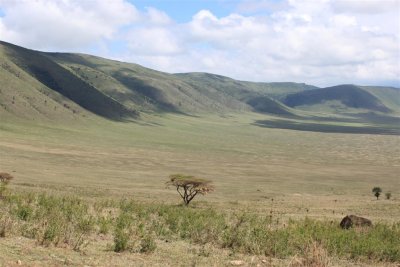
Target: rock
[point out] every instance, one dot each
(353, 220)
(236, 262)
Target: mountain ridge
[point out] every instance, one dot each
(84, 84)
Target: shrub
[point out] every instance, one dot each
(24, 212)
(5, 179)
(148, 244)
(122, 232)
(377, 192)
(104, 224)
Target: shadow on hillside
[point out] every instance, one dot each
(64, 82)
(325, 128)
(369, 117)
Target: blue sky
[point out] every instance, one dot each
(322, 43)
(182, 11)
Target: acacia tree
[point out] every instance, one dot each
(377, 192)
(189, 186)
(5, 178)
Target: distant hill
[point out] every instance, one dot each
(251, 96)
(51, 87)
(390, 96)
(349, 96)
(117, 90)
(39, 85)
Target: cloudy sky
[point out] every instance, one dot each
(320, 42)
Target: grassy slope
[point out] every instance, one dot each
(349, 96)
(85, 84)
(252, 94)
(137, 86)
(388, 95)
(113, 83)
(22, 96)
(58, 79)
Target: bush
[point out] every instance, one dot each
(104, 224)
(5, 179)
(122, 232)
(135, 227)
(148, 244)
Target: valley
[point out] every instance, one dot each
(74, 125)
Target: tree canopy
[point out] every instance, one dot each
(189, 186)
(377, 191)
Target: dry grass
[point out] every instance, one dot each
(328, 174)
(287, 174)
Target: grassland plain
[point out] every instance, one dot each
(284, 173)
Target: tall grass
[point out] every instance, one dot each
(135, 227)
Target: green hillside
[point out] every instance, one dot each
(23, 96)
(252, 96)
(390, 96)
(63, 86)
(60, 80)
(339, 97)
(117, 90)
(139, 87)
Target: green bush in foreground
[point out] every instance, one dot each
(135, 227)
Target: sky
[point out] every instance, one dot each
(318, 42)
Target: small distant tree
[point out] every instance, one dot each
(388, 195)
(5, 178)
(189, 186)
(377, 192)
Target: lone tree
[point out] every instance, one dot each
(5, 178)
(189, 186)
(388, 195)
(377, 192)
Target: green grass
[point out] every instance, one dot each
(69, 221)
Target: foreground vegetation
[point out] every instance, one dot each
(135, 227)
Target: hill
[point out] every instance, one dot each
(117, 90)
(390, 96)
(63, 86)
(34, 82)
(257, 96)
(340, 98)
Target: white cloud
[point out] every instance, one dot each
(366, 6)
(257, 6)
(227, 31)
(158, 17)
(153, 41)
(63, 24)
(319, 42)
